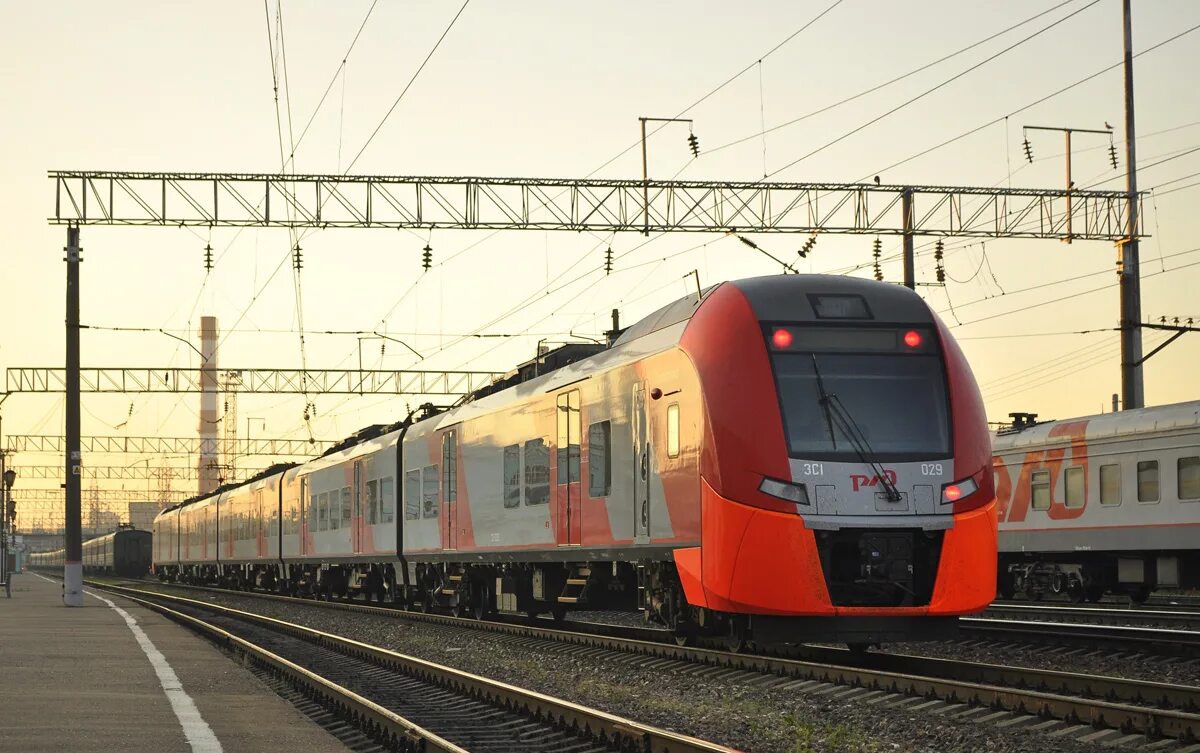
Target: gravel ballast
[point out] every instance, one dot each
(721, 706)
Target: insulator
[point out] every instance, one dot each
(1112, 155)
(694, 143)
(937, 250)
(1029, 151)
(608, 261)
(876, 248)
(878, 272)
(297, 258)
(382, 348)
(941, 275)
(427, 258)
(208, 261)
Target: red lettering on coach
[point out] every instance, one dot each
(1015, 498)
(858, 481)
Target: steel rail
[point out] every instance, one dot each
(1018, 689)
(1153, 640)
(369, 717)
(1094, 614)
(618, 732)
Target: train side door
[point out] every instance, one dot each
(356, 517)
(450, 489)
(641, 468)
(568, 490)
(302, 531)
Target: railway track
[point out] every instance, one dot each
(1183, 619)
(409, 704)
(1129, 709)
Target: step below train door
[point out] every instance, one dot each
(641, 468)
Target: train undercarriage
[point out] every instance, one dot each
(479, 590)
(1090, 576)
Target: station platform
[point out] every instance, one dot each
(80, 680)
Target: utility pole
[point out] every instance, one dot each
(1070, 182)
(910, 272)
(73, 562)
(1132, 387)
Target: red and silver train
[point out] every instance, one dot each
(1107, 503)
(778, 459)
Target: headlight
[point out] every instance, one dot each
(796, 493)
(958, 490)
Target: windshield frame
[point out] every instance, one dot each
(931, 349)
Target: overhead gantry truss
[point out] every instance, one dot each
(270, 381)
(137, 472)
(599, 205)
(189, 446)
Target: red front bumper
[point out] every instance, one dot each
(755, 561)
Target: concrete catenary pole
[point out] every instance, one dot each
(1132, 386)
(73, 561)
(207, 464)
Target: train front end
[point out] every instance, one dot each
(846, 487)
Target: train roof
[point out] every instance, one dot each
(1128, 423)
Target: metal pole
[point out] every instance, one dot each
(4, 493)
(645, 184)
(1070, 184)
(910, 274)
(73, 567)
(1132, 389)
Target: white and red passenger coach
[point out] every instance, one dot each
(778, 459)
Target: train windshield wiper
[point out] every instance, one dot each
(833, 405)
(824, 401)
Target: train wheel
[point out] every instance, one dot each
(1139, 596)
(734, 641)
(558, 612)
(1095, 594)
(466, 597)
(685, 638)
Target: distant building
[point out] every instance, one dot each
(141, 514)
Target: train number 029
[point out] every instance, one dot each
(931, 469)
(814, 469)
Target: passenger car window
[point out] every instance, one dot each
(512, 476)
(1039, 490)
(412, 495)
(1110, 484)
(1147, 479)
(1075, 496)
(372, 501)
(537, 472)
(599, 473)
(346, 507)
(1188, 477)
(387, 502)
(431, 500)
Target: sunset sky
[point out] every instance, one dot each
(548, 89)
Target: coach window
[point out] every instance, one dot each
(512, 476)
(1189, 477)
(412, 495)
(346, 508)
(1074, 487)
(1110, 484)
(1039, 490)
(599, 473)
(323, 512)
(313, 505)
(387, 501)
(430, 499)
(537, 472)
(335, 510)
(1147, 481)
(372, 502)
(673, 430)
(450, 465)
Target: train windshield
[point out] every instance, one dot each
(889, 383)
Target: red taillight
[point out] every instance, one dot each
(951, 493)
(912, 338)
(782, 338)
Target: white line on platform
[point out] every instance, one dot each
(199, 735)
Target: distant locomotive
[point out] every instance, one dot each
(778, 459)
(125, 552)
(1107, 503)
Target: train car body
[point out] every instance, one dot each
(126, 552)
(1107, 503)
(784, 458)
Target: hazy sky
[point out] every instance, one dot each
(554, 89)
